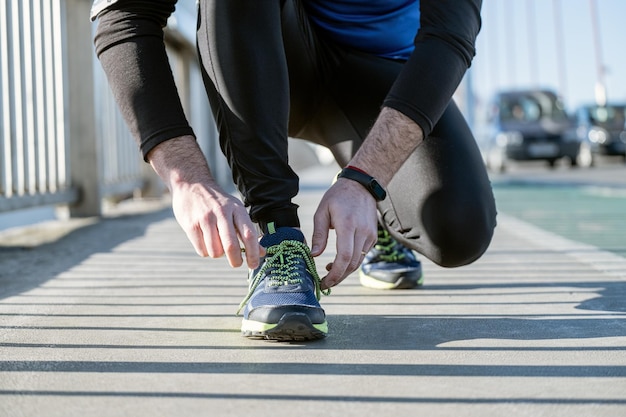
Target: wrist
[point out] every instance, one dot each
(367, 181)
(357, 169)
(180, 161)
(389, 143)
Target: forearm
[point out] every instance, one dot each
(444, 49)
(389, 143)
(180, 162)
(129, 44)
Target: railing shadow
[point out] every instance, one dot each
(24, 268)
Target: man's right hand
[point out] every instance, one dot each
(215, 222)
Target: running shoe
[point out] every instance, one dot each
(390, 265)
(283, 299)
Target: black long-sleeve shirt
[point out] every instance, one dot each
(142, 82)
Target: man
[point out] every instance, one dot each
(370, 79)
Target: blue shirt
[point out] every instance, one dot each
(385, 28)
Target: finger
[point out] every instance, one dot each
(230, 241)
(211, 237)
(371, 240)
(321, 227)
(361, 247)
(338, 274)
(249, 239)
(331, 282)
(195, 236)
(341, 263)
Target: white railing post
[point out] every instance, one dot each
(83, 146)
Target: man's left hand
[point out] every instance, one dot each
(350, 209)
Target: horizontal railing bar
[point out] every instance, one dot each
(19, 202)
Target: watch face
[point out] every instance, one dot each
(378, 191)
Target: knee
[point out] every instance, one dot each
(460, 231)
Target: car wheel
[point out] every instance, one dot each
(584, 158)
(552, 162)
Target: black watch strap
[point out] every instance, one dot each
(367, 181)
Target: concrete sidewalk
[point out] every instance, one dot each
(121, 318)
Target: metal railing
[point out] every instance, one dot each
(62, 138)
(33, 168)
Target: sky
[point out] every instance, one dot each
(550, 44)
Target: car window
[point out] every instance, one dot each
(607, 116)
(531, 107)
(521, 109)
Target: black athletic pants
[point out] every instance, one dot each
(269, 76)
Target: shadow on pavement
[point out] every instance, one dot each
(25, 268)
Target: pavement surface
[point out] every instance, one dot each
(119, 317)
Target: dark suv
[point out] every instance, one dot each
(527, 125)
(603, 128)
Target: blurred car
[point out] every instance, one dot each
(528, 125)
(602, 128)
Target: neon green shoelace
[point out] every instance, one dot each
(283, 259)
(388, 247)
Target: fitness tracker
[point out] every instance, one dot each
(367, 181)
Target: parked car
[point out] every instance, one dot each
(525, 126)
(602, 128)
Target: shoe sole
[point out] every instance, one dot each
(291, 327)
(403, 283)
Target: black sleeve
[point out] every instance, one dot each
(444, 49)
(129, 43)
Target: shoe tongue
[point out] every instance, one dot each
(281, 233)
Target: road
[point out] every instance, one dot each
(121, 318)
(585, 205)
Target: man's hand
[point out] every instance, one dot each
(350, 209)
(215, 222)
